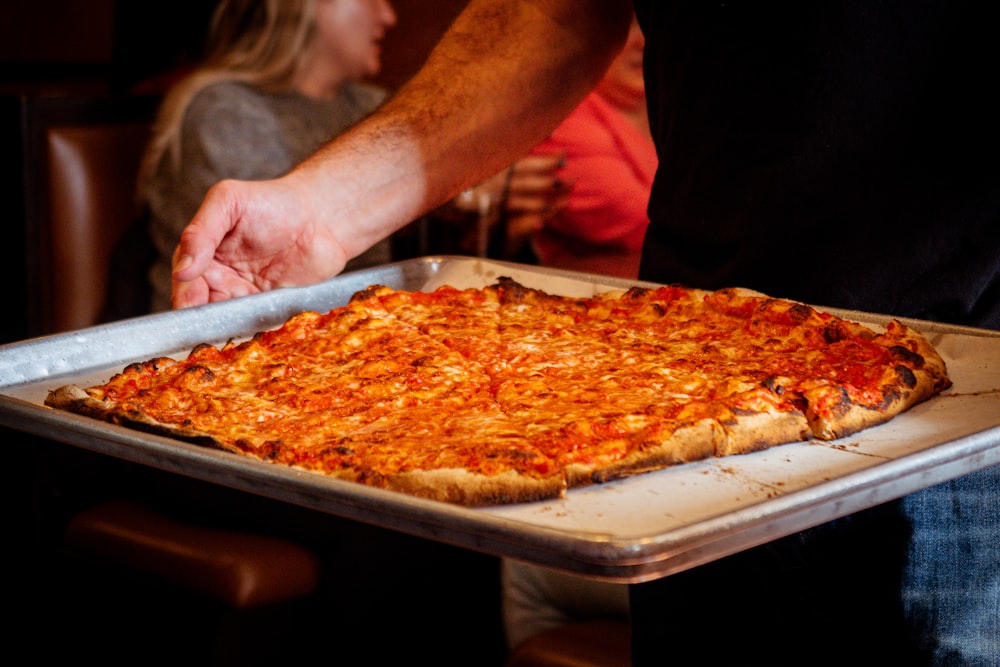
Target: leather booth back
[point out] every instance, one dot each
(92, 178)
(81, 160)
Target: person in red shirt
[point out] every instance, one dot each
(610, 161)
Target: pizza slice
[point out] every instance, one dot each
(464, 320)
(469, 453)
(588, 399)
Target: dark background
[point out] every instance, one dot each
(104, 47)
(98, 44)
(401, 599)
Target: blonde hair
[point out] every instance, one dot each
(259, 42)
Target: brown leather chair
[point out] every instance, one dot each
(86, 242)
(92, 173)
(80, 164)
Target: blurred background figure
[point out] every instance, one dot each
(609, 162)
(494, 218)
(280, 78)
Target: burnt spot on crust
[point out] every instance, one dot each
(906, 376)
(636, 292)
(889, 397)
(276, 450)
(605, 476)
(131, 416)
(268, 449)
(837, 407)
(368, 292)
(371, 478)
(199, 373)
(517, 454)
(141, 367)
(800, 313)
(137, 420)
(833, 333)
(510, 290)
(773, 384)
(334, 456)
(907, 356)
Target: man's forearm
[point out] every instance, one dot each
(501, 78)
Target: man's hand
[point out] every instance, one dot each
(253, 237)
(504, 75)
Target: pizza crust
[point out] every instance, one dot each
(663, 447)
(455, 485)
(73, 398)
(751, 432)
(918, 374)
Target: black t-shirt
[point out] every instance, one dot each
(840, 153)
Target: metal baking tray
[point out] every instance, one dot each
(630, 530)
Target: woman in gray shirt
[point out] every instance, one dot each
(280, 78)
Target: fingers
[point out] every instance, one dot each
(536, 187)
(197, 277)
(217, 283)
(248, 237)
(186, 294)
(214, 219)
(540, 163)
(520, 226)
(546, 198)
(543, 205)
(535, 184)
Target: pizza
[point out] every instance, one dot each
(507, 394)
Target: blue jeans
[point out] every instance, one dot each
(951, 582)
(910, 582)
